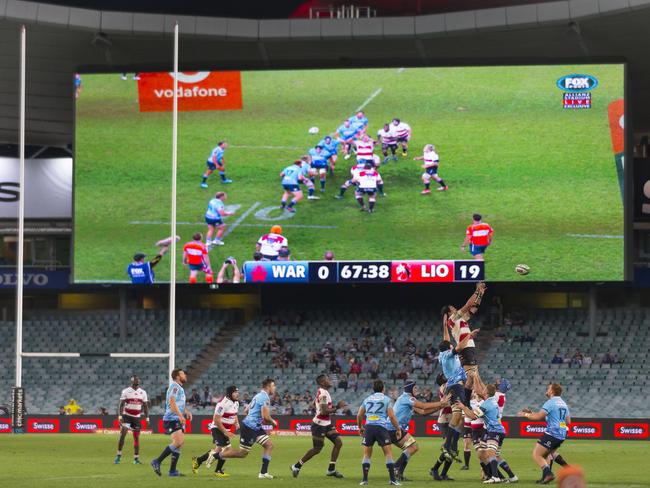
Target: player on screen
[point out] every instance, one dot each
(251, 431)
(378, 413)
(404, 407)
(216, 161)
(322, 428)
(388, 138)
(359, 122)
(365, 148)
(495, 434)
(141, 271)
(430, 166)
(270, 244)
(456, 379)
(367, 182)
(354, 172)
(291, 177)
(346, 134)
(403, 132)
(174, 420)
(307, 174)
(214, 218)
(478, 236)
(444, 417)
(223, 426)
(331, 146)
(133, 405)
(319, 157)
(195, 256)
(557, 415)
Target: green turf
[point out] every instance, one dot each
(508, 150)
(73, 460)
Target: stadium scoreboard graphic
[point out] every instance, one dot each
(363, 271)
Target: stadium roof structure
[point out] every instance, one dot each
(63, 40)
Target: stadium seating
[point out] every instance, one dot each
(591, 390)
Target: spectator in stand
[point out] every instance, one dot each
(389, 347)
(288, 409)
(353, 381)
(417, 362)
(353, 347)
(608, 359)
(587, 361)
(427, 369)
(355, 367)
(343, 382)
(366, 331)
(577, 359)
(61, 410)
(409, 347)
(195, 398)
(334, 367)
(102, 411)
(327, 351)
(245, 399)
(405, 370)
(207, 396)
(366, 344)
(557, 358)
(73, 408)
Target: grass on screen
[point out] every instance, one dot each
(539, 174)
(80, 461)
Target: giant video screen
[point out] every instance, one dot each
(392, 175)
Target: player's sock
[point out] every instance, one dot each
(468, 456)
(203, 458)
(204, 178)
(380, 187)
(371, 205)
(403, 461)
(220, 464)
(292, 203)
(442, 183)
(310, 191)
(176, 454)
(560, 460)
(486, 469)
(504, 466)
(390, 466)
(445, 468)
(427, 186)
(283, 203)
(494, 467)
(360, 200)
(332, 467)
(166, 452)
(266, 459)
(454, 435)
(192, 279)
(342, 190)
(322, 184)
(118, 453)
(546, 471)
(365, 466)
(222, 174)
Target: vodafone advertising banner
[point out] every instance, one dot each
(198, 90)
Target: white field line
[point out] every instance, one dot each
(369, 99)
(291, 226)
(401, 70)
(266, 147)
(596, 236)
(241, 218)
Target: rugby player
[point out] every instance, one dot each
(272, 243)
(134, 404)
(224, 424)
(503, 386)
(456, 378)
(307, 173)
(365, 147)
(346, 134)
(214, 218)
(557, 416)
(388, 139)
(457, 321)
(195, 256)
(174, 420)
(216, 161)
(319, 158)
(292, 176)
(322, 428)
(403, 132)
(478, 236)
(443, 424)
(378, 412)
(331, 146)
(404, 407)
(495, 433)
(251, 431)
(359, 122)
(367, 181)
(430, 166)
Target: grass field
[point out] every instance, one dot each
(73, 460)
(539, 174)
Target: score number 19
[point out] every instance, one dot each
(469, 271)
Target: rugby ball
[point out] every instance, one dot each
(167, 241)
(522, 269)
(314, 130)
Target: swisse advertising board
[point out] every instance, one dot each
(516, 428)
(48, 185)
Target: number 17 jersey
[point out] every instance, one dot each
(376, 406)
